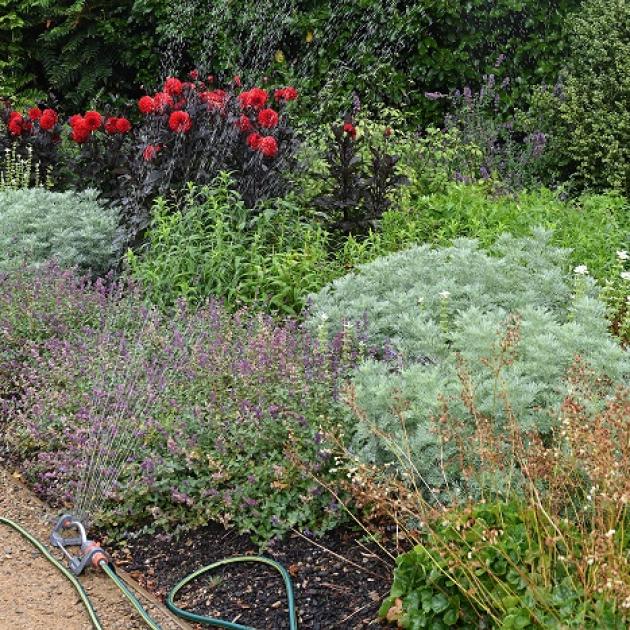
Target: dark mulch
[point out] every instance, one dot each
(332, 591)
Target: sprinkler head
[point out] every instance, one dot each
(91, 552)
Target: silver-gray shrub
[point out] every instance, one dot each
(559, 318)
(37, 225)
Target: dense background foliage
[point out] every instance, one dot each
(384, 51)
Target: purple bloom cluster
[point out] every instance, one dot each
(185, 417)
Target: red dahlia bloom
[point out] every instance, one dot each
(180, 122)
(350, 129)
(162, 100)
(244, 123)
(110, 125)
(286, 94)
(256, 98)
(268, 118)
(216, 98)
(123, 125)
(48, 119)
(173, 86)
(93, 120)
(16, 124)
(268, 146)
(194, 74)
(254, 140)
(146, 105)
(81, 130)
(34, 113)
(74, 119)
(150, 151)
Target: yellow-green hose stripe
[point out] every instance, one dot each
(73, 580)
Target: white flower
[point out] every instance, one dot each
(623, 255)
(610, 533)
(323, 317)
(625, 275)
(581, 270)
(445, 295)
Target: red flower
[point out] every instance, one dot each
(35, 113)
(80, 130)
(162, 100)
(110, 125)
(194, 74)
(216, 98)
(180, 122)
(16, 124)
(254, 140)
(74, 119)
(256, 98)
(93, 120)
(244, 123)
(286, 94)
(237, 81)
(48, 119)
(350, 129)
(268, 146)
(173, 86)
(123, 125)
(146, 105)
(268, 118)
(210, 78)
(150, 151)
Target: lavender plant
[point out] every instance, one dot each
(508, 153)
(218, 410)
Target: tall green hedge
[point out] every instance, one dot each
(71, 49)
(385, 50)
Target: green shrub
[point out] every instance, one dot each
(587, 116)
(496, 565)
(592, 226)
(212, 246)
(50, 45)
(388, 52)
(428, 310)
(616, 294)
(73, 229)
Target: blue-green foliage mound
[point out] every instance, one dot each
(513, 321)
(73, 229)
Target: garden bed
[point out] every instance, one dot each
(339, 580)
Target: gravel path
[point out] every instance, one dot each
(33, 594)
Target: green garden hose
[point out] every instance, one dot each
(135, 602)
(220, 623)
(129, 594)
(77, 585)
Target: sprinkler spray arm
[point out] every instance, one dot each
(91, 552)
